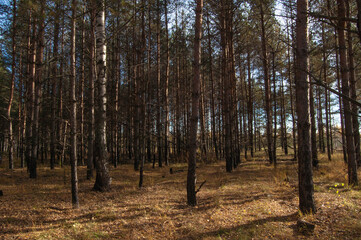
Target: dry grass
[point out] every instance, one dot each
(256, 201)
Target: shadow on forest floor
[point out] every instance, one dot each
(255, 201)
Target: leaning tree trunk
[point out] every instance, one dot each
(352, 165)
(191, 177)
(306, 201)
(102, 181)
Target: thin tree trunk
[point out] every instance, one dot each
(91, 126)
(274, 110)
(73, 129)
(250, 105)
(166, 110)
(191, 177)
(12, 86)
(352, 165)
(54, 78)
(159, 123)
(313, 129)
(267, 89)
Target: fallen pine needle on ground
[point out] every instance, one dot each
(256, 201)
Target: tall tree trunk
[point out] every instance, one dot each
(159, 114)
(30, 73)
(166, 110)
(211, 79)
(274, 109)
(313, 129)
(291, 93)
(267, 89)
(250, 105)
(91, 126)
(306, 201)
(38, 81)
(191, 176)
(352, 165)
(353, 94)
(102, 181)
(73, 129)
(12, 85)
(81, 94)
(54, 72)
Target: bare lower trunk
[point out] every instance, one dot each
(191, 177)
(102, 181)
(306, 200)
(73, 129)
(352, 165)
(12, 85)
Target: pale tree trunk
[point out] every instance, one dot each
(306, 200)
(102, 181)
(73, 130)
(191, 177)
(12, 85)
(352, 165)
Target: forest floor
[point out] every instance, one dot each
(256, 201)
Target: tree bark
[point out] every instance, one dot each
(54, 72)
(306, 200)
(91, 126)
(102, 181)
(191, 176)
(73, 125)
(352, 165)
(267, 89)
(12, 86)
(353, 94)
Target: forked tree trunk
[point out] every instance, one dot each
(306, 201)
(191, 176)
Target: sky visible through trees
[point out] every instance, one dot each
(99, 84)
